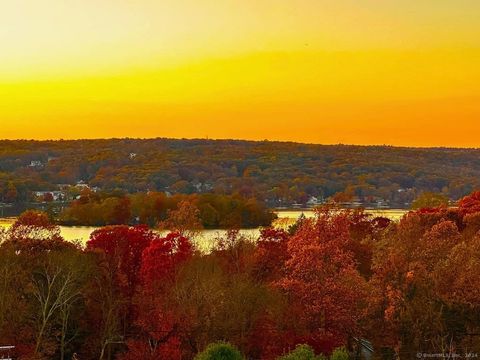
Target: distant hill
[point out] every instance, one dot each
(281, 173)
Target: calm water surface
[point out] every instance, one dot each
(207, 238)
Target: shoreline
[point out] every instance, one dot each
(295, 212)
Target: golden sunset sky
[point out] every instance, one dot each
(403, 72)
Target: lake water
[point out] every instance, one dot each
(392, 214)
(207, 238)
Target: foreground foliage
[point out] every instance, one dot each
(220, 351)
(408, 287)
(302, 352)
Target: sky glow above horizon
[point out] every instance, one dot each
(360, 72)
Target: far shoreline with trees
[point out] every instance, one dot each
(281, 174)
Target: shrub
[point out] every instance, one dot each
(302, 352)
(339, 354)
(220, 351)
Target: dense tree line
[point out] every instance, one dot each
(211, 211)
(407, 287)
(279, 173)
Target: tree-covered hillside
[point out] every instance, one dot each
(280, 173)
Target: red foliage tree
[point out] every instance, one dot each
(48, 197)
(270, 252)
(322, 281)
(33, 231)
(470, 204)
(162, 256)
(158, 326)
(119, 250)
(123, 248)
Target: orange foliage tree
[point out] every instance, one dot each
(322, 281)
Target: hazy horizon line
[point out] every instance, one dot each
(241, 140)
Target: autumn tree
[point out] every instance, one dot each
(456, 278)
(120, 250)
(157, 321)
(322, 281)
(270, 252)
(34, 229)
(430, 200)
(48, 197)
(470, 204)
(407, 265)
(344, 196)
(11, 193)
(43, 278)
(16, 326)
(119, 211)
(184, 220)
(57, 289)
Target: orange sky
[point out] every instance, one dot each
(365, 72)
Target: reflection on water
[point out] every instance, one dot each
(392, 214)
(206, 239)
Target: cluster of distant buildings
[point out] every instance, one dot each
(63, 191)
(354, 202)
(38, 164)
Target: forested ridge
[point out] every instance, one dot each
(280, 173)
